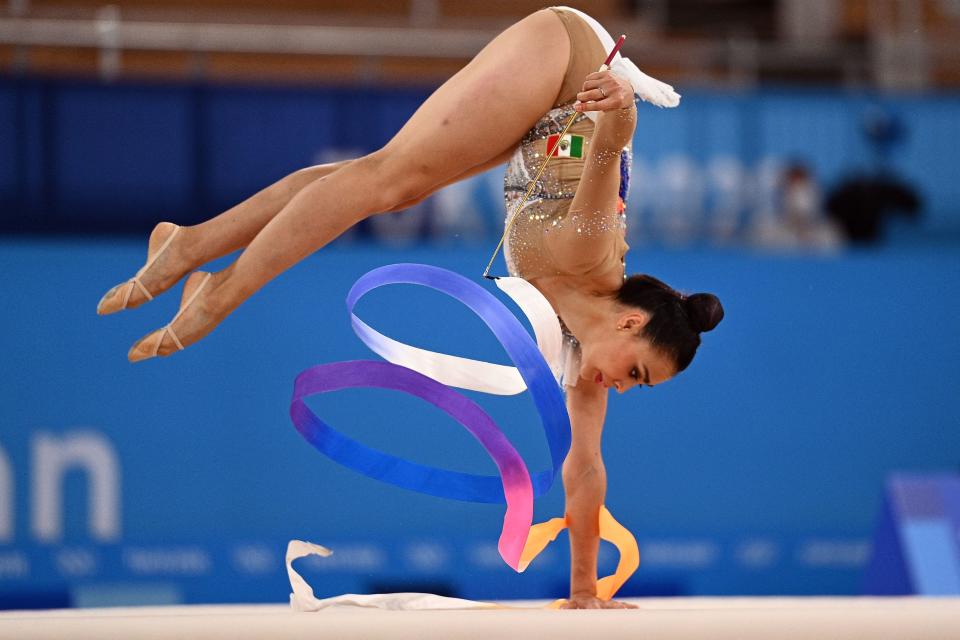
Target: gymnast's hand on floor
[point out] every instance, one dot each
(593, 602)
(604, 91)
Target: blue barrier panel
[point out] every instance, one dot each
(119, 156)
(292, 126)
(915, 547)
(132, 151)
(10, 178)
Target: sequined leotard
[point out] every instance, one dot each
(526, 248)
(548, 207)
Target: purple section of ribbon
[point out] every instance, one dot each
(375, 464)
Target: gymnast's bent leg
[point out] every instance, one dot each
(479, 114)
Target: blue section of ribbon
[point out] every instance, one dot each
(381, 466)
(546, 394)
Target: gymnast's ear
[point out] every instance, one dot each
(633, 321)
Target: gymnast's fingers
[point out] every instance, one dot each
(598, 75)
(616, 98)
(590, 105)
(592, 602)
(593, 84)
(610, 103)
(595, 95)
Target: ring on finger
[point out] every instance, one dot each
(602, 92)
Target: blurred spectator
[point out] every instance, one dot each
(798, 220)
(862, 201)
(860, 204)
(803, 210)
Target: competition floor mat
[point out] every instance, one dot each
(714, 618)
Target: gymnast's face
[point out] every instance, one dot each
(620, 358)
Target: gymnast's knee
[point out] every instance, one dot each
(398, 181)
(313, 172)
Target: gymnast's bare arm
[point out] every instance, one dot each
(585, 484)
(596, 199)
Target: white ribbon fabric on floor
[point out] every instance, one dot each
(303, 598)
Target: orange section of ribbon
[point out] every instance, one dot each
(610, 530)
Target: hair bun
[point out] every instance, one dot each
(704, 310)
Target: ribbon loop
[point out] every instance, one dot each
(427, 374)
(531, 368)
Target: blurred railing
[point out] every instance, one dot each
(736, 61)
(110, 32)
(110, 46)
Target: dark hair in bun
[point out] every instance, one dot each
(704, 310)
(676, 321)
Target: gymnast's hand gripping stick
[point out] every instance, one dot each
(546, 160)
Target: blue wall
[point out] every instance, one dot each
(84, 155)
(758, 470)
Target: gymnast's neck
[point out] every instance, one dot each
(582, 303)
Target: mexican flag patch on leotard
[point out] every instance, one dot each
(571, 146)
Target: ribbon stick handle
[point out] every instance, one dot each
(613, 52)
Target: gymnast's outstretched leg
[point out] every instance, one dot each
(479, 114)
(233, 229)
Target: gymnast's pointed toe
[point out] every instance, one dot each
(150, 346)
(146, 347)
(133, 292)
(112, 301)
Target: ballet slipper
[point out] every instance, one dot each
(149, 346)
(126, 288)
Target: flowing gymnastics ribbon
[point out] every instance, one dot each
(610, 530)
(530, 364)
(463, 373)
(515, 489)
(427, 374)
(514, 485)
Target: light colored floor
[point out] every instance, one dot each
(700, 618)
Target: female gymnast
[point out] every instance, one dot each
(568, 240)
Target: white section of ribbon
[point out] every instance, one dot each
(647, 88)
(303, 598)
(476, 375)
(453, 371)
(542, 317)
